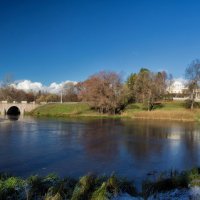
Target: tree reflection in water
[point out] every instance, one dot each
(75, 147)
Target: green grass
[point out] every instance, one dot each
(68, 110)
(56, 109)
(173, 105)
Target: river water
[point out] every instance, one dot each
(74, 147)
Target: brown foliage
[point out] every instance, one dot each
(104, 92)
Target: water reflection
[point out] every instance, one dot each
(75, 147)
(13, 117)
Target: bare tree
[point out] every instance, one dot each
(192, 74)
(160, 84)
(169, 86)
(10, 94)
(70, 92)
(170, 81)
(6, 87)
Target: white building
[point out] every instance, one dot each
(177, 87)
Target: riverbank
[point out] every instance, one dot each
(166, 111)
(171, 185)
(68, 110)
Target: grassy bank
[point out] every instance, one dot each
(68, 110)
(174, 110)
(165, 111)
(62, 110)
(91, 187)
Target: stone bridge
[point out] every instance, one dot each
(16, 108)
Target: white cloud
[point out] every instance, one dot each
(56, 87)
(28, 85)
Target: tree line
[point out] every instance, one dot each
(106, 92)
(9, 93)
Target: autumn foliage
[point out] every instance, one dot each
(104, 92)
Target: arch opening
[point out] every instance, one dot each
(13, 110)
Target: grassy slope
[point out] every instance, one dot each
(67, 110)
(55, 109)
(168, 110)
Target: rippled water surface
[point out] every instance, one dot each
(75, 147)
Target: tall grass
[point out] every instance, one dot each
(166, 115)
(91, 187)
(168, 111)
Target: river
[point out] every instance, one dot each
(74, 147)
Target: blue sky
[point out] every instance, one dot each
(57, 40)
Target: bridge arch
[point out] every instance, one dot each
(13, 110)
(16, 108)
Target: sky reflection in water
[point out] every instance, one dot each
(76, 147)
